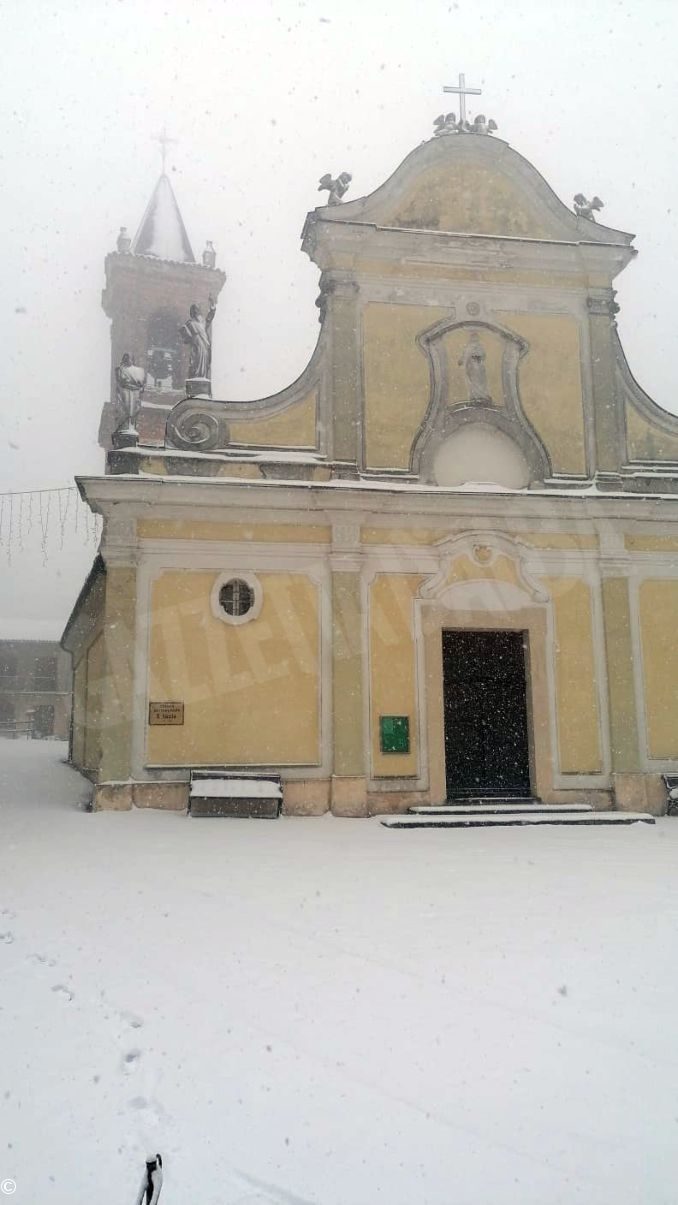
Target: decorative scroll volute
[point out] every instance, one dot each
(197, 426)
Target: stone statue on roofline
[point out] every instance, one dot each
(447, 123)
(584, 208)
(130, 380)
(197, 333)
(336, 188)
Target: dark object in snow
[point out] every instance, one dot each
(584, 208)
(149, 1193)
(336, 188)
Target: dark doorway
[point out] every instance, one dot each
(485, 708)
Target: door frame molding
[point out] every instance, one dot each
(436, 618)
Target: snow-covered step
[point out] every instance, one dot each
(554, 816)
(488, 808)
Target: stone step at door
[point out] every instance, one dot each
(554, 817)
(490, 808)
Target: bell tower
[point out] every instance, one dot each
(151, 282)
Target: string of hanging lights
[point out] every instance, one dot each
(46, 518)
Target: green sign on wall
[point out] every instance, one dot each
(394, 733)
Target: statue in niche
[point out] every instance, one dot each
(473, 360)
(197, 332)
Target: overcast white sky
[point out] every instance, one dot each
(263, 97)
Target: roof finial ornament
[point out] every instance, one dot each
(462, 92)
(584, 208)
(336, 188)
(165, 141)
(447, 122)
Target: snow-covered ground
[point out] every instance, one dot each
(326, 1011)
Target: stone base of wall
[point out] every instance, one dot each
(348, 796)
(392, 803)
(306, 797)
(171, 796)
(640, 793)
(112, 797)
(123, 796)
(601, 801)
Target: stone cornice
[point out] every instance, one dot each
(145, 496)
(325, 239)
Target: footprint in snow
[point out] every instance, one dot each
(42, 959)
(6, 938)
(132, 1020)
(130, 1061)
(8, 912)
(63, 991)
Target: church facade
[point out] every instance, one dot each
(442, 563)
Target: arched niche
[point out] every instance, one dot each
(478, 453)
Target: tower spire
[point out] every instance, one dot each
(162, 232)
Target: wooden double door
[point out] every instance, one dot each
(485, 714)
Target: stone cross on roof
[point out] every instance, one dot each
(165, 141)
(462, 92)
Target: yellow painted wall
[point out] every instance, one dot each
(392, 667)
(411, 270)
(549, 378)
(575, 672)
(651, 543)
(400, 535)
(561, 539)
(197, 529)
(468, 198)
(396, 379)
(157, 466)
(251, 692)
(647, 442)
(424, 536)
(294, 427)
(658, 602)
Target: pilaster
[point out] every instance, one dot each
(345, 374)
(624, 744)
(348, 787)
(607, 413)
